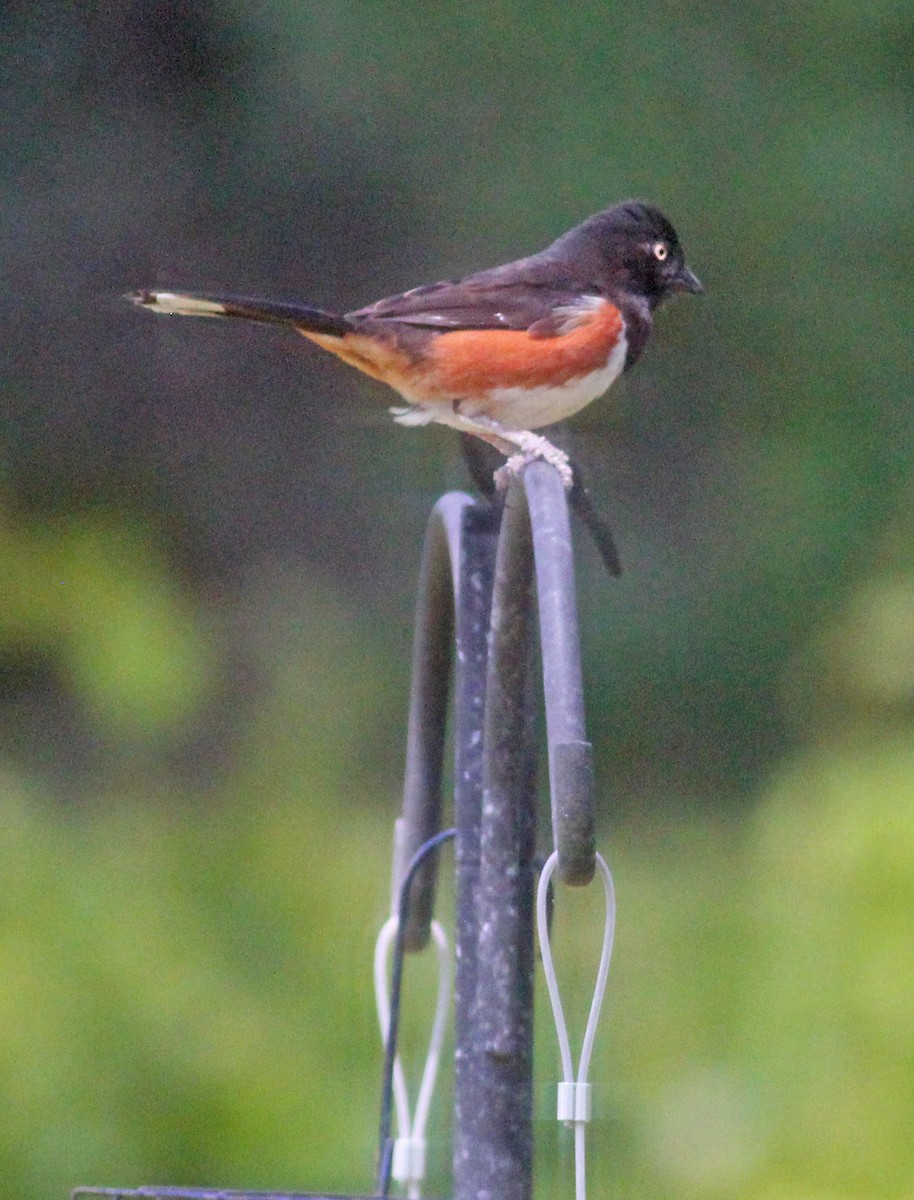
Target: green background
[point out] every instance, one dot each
(210, 537)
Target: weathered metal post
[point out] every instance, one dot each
(496, 819)
(493, 1150)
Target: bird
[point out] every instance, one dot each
(502, 352)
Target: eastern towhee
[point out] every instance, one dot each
(505, 351)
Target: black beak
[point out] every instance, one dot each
(686, 281)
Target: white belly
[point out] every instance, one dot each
(531, 408)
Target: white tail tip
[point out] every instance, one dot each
(178, 303)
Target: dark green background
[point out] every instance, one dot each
(210, 538)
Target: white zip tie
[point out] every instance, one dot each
(408, 1161)
(574, 1094)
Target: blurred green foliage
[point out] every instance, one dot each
(92, 594)
(209, 545)
(185, 997)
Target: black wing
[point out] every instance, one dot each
(515, 296)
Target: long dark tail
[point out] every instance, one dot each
(270, 312)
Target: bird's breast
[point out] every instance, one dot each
(525, 381)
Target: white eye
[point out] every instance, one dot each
(660, 251)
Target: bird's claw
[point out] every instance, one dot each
(545, 452)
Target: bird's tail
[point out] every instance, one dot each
(203, 304)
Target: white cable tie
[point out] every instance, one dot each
(408, 1161)
(408, 1165)
(573, 1102)
(573, 1105)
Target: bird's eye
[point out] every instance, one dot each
(660, 251)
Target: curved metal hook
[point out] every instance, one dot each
(436, 609)
(535, 537)
(570, 754)
(535, 542)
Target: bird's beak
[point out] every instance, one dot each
(686, 281)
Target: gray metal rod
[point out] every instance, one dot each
(494, 1156)
(477, 564)
(570, 754)
(433, 644)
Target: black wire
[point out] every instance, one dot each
(385, 1141)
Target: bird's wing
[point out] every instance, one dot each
(510, 297)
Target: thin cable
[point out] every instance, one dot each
(573, 1105)
(408, 1160)
(386, 938)
(385, 1142)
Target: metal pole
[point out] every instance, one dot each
(477, 566)
(488, 559)
(494, 1149)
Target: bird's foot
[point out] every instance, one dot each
(533, 448)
